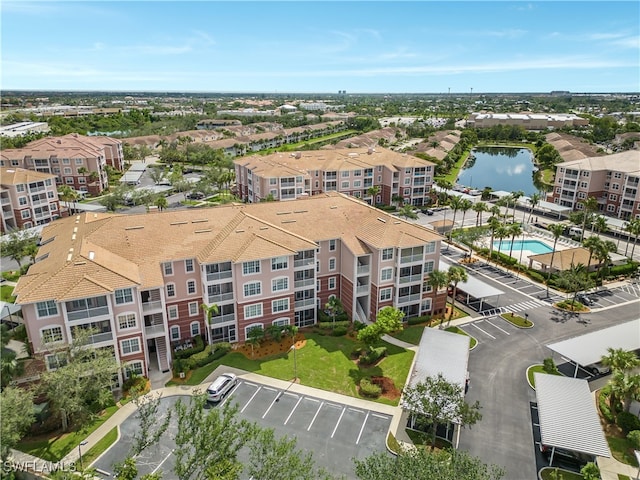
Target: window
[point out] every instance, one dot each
(615, 186)
(67, 170)
(124, 295)
(22, 201)
(385, 294)
(20, 187)
(191, 287)
(332, 264)
(279, 284)
(407, 181)
(195, 329)
(280, 305)
(273, 181)
(78, 161)
(386, 274)
(332, 245)
(357, 184)
(51, 335)
(127, 320)
(173, 312)
(188, 265)
(248, 328)
(168, 268)
(345, 173)
(582, 195)
(193, 309)
(253, 311)
(344, 184)
(249, 268)
(332, 283)
(428, 266)
(611, 208)
(130, 345)
(133, 368)
(387, 254)
(171, 290)
(252, 288)
(281, 322)
(175, 333)
(430, 247)
(56, 361)
(47, 309)
(426, 305)
(25, 214)
(279, 263)
(613, 197)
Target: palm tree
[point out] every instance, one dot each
(590, 205)
(437, 281)
(603, 254)
(210, 311)
(534, 200)
(479, 208)
(502, 232)
(556, 229)
(455, 275)
(67, 195)
(515, 196)
(502, 202)
(494, 223)
(623, 385)
(599, 224)
(372, 191)
(161, 202)
(514, 230)
(455, 203)
(592, 244)
(620, 360)
(399, 199)
(465, 206)
(407, 212)
(633, 227)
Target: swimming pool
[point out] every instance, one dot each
(535, 246)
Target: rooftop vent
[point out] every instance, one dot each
(203, 231)
(382, 220)
(137, 227)
(370, 151)
(200, 220)
(178, 223)
(92, 255)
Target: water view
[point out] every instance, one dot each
(501, 168)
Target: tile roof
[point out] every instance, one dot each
(15, 176)
(628, 162)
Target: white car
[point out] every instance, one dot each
(221, 386)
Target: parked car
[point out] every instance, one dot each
(221, 386)
(598, 368)
(195, 196)
(429, 212)
(566, 457)
(585, 299)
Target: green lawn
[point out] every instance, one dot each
(535, 368)
(546, 474)
(56, 448)
(517, 320)
(99, 448)
(621, 450)
(462, 332)
(6, 293)
(411, 334)
(423, 439)
(324, 362)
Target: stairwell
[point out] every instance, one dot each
(161, 346)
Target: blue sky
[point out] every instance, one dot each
(321, 47)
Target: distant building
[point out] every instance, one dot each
(75, 160)
(212, 123)
(612, 179)
(528, 121)
(28, 198)
(23, 128)
(352, 171)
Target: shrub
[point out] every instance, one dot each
(340, 331)
(603, 397)
(373, 355)
(626, 269)
(634, 439)
(357, 352)
(628, 421)
(336, 324)
(358, 325)
(549, 366)
(178, 366)
(533, 275)
(419, 320)
(369, 389)
(197, 348)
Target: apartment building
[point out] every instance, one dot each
(75, 160)
(28, 198)
(611, 179)
(352, 171)
(140, 280)
(528, 121)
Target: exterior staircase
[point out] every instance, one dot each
(161, 347)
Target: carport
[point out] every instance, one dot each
(446, 353)
(554, 208)
(591, 347)
(474, 288)
(568, 417)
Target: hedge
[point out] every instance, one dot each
(323, 317)
(373, 355)
(626, 269)
(340, 331)
(369, 389)
(336, 324)
(628, 422)
(419, 320)
(207, 355)
(188, 352)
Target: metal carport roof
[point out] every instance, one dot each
(590, 347)
(567, 415)
(473, 286)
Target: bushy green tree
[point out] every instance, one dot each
(16, 405)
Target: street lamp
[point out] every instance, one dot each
(526, 318)
(295, 365)
(80, 445)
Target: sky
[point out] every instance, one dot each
(321, 46)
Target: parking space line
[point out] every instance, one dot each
(503, 331)
(356, 410)
(270, 389)
(362, 428)
(250, 383)
(335, 405)
(272, 402)
(487, 334)
(384, 417)
(315, 416)
(293, 410)
(164, 460)
(252, 397)
(339, 419)
(477, 341)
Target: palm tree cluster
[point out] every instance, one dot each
(625, 381)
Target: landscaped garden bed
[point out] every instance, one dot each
(517, 320)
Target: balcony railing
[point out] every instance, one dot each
(89, 313)
(409, 298)
(229, 317)
(411, 258)
(37, 189)
(305, 303)
(155, 329)
(6, 201)
(149, 306)
(220, 297)
(303, 283)
(101, 337)
(568, 175)
(219, 275)
(363, 269)
(410, 278)
(305, 262)
(362, 289)
(287, 184)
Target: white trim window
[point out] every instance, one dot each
(127, 321)
(191, 287)
(280, 305)
(279, 263)
(194, 328)
(168, 269)
(188, 265)
(428, 266)
(129, 346)
(387, 254)
(332, 245)
(332, 283)
(251, 289)
(253, 311)
(193, 309)
(425, 306)
(281, 322)
(279, 284)
(332, 264)
(174, 333)
(171, 290)
(47, 308)
(133, 368)
(385, 294)
(55, 360)
(386, 274)
(123, 296)
(51, 334)
(248, 328)
(430, 247)
(251, 267)
(173, 312)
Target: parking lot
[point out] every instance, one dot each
(335, 432)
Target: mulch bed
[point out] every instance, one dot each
(389, 390)
(271, 348)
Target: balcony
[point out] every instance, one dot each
(305, 262)
(363, 269)
(287, 184)
(411, 258)
(219, 275)
(362, 289)
(6, 201)
(409, 298)
(87, 313)
(222, 297)
(304, 283)
(217, 320)
(570, 176)
(37, 189)
(309, 302)
(410, 278)
(150, 306)
(101, 337)
(154, 330)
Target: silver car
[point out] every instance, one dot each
(221, 386)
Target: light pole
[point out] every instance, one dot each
(295, 364)
(526, 318)
(80, 445)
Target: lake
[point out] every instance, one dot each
(501, 168)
